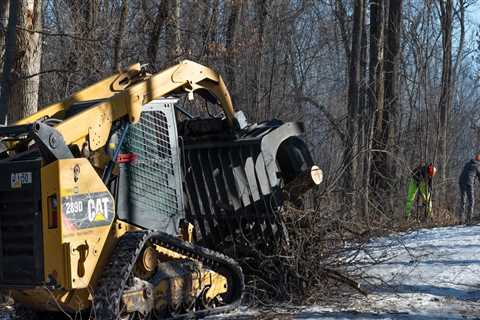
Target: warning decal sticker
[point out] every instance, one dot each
(88, 210)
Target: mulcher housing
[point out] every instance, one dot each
(233, 183)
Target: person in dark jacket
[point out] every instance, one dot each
(470, 171)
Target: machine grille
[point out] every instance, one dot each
(21, 253)
(153, 179)
(233, 185)
(228, 194)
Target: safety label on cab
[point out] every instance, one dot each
(18, 179)
(87, 210)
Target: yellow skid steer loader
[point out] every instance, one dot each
(113, 201)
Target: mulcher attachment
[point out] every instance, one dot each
(233, 183)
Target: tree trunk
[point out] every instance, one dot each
(209, 26)
(117, 41)
(83, 55)
(260, 19)
(445, 102)
(341, 16)
(4, 6)
(389, 117)
(24, 91)
(375, 98)
(230, 45)
(363, 120)
(353, 101)
(215, 13)
(172, 33)
(9, 60)
(158, 24)
(461, 41)
(207, 13)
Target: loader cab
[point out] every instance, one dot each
(149, 188)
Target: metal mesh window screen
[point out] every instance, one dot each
(154, 177)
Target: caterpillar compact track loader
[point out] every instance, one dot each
(106, 197)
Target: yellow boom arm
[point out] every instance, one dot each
(124, 95)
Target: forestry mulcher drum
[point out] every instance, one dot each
(113, 201)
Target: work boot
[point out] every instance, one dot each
(474, 220)
(469, 219)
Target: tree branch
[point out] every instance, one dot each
(333, 121)
(56, 34)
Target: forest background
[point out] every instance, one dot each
(381, 85)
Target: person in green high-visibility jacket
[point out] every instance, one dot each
(421, 183)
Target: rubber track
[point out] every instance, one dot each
(110, 286)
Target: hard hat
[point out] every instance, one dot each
(431, 170)
(477, 157)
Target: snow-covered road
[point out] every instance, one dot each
(427, 274)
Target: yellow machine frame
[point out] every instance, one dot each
(73, 259)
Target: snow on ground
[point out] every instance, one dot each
(429, 274)
(426, 274)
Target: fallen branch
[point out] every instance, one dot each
(336, 275)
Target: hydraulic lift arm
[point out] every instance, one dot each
(123, 96)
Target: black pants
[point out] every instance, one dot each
(467, 202)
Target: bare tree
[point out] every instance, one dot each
(445, 102)
(230, 44)
(117, 41)
(351, 146)
(157, 25)
(4, 5)
(9, 57)
(208, 24)
(261, 8)
(375, 93)
(386, 120)
(342, 17)
(23, 99)
(22, 60)
(172, 32)
(363, 120)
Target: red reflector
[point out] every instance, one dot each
(126, 157)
